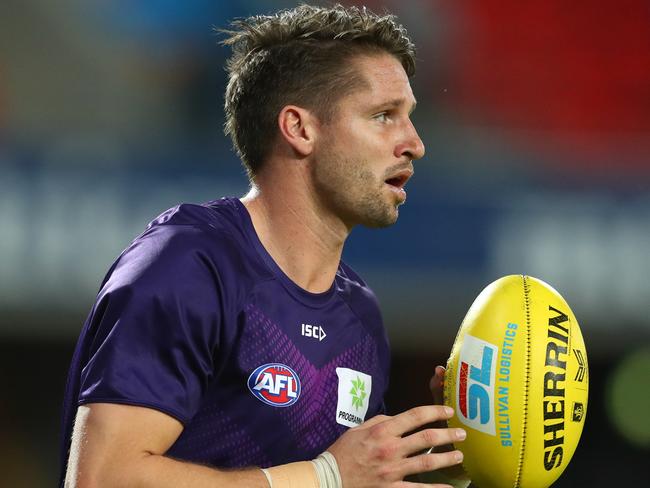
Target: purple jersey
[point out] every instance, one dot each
(196, 320)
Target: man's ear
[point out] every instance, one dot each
(299, 128)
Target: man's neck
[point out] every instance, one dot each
(304, 242)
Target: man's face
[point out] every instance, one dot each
(364, 154)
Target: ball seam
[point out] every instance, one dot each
(522, 449)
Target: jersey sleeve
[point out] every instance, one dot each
(155, 326)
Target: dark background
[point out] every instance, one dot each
(536, 118)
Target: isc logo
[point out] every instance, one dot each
(315, 331)
(475, 392)
(275, 384)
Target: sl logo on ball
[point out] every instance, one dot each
(476, 384)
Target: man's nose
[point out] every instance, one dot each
(411, 145)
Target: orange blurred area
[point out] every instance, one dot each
(573, 75)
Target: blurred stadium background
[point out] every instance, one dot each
(536, 117)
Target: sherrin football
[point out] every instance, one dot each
(517, 379)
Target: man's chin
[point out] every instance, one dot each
(380, 221)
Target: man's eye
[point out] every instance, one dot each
(382, 117)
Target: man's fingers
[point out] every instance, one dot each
(414, 418)
(428, 438)
(431, 462)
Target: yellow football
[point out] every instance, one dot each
(518, 379)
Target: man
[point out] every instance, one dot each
(230, 334)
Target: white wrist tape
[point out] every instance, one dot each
(268, 477)
(293, 475)
(327, 471)
(322, 472)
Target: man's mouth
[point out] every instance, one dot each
(398, 180)
(396, 183)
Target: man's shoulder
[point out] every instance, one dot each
(197, 241)
(345, 274)
(214, 224)
(223, 215)
(360, 298)
(354, 289)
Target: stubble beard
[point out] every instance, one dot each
(349, 189)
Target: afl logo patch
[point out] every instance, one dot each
(275, 384)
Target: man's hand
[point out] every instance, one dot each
(381, 452)
(454, 475)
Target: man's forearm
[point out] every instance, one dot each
(123, 446)
(158, 471)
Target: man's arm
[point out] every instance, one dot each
(120, 445)
(123, 445)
